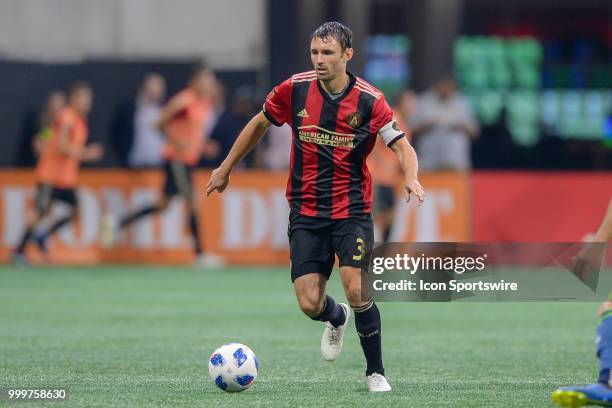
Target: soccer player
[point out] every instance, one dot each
(58, 166)
(183, 120)
(335, 117)
(590, 258)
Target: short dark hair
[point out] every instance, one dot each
(78, 86)
(336, 31)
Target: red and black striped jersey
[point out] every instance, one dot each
(331, 139)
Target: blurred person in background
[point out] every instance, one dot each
(183, 120)
(245, 106)
(37, 128)
(386, 170)
(134, 134)
(444, 127)
(58, 166)
(223, 127)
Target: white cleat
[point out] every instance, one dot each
(378, 383)
(332, 339)
(109, 229)
(208, 261)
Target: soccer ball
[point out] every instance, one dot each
(233, 367)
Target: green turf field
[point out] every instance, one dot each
(141, 336)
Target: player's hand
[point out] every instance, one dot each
(414, 187)
(589, 259)
(219, 179)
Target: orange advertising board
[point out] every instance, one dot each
(247, 224)
(519, 206)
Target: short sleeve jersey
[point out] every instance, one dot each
(332, 137)
(55, 168)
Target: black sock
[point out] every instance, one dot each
(24, 240)
(331, 312)
(127, 220)
(195, 232)
(367, 322)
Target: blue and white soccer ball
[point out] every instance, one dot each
(233, 367)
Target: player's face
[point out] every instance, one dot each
(328, 58)
(82, 100)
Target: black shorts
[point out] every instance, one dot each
(178, 179)
(314, 242)
(384, 198)
(46, 194)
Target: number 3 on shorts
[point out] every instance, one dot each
(360, 248)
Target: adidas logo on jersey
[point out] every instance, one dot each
(303, 113)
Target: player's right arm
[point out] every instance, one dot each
(276, 111)
(246, 141)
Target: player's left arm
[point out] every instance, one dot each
(410, 168)
(394, 137)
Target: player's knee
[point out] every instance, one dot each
(310, 303)
(310, 309)
(353, 294)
